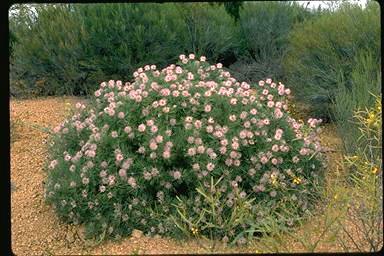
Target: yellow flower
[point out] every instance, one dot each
(296, 180)
(375, 170)
(354, 158)
(194, 230)
(371, 118)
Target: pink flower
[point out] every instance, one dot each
(210, 166)
(278, 113)
(179, 70)
(243, 115)
(200, 149)
(102, 188)
(114, 134)
(275, 148)
(277, 136)
(251, 172)
(198, 124)
(190, 76)
(185, 93)
(263, 159)
(195, 166)
(224, 142)
(141, 150)
(232, 118)
(270, 97)
(166, 154)
(261, 83)
(159, 138)
(303, 151)
(162, 102)
(190, 139)
(177, 175)
(209, 128)
(287, 91)
(141, 128)
(72, 168)
(127, 129)
(202, 58)
(235, 145)
(191, 56)
(207, 108)
(233, 101)
(247, 124)
(175, 93)
(168, 132)
(182, 56)
(270, 104)
(223, 150)
(122, 173)
(243, 134)
(266, 121)
(85, 180)
(188, 119)
(228, 161)
(274, 161)
(132, 182)
(119, 157)
(295, 159)
(91, 153)
(172, 121)
(153, 146)
(219, 65)
(191, 151)
(150, 122)
(154, 129)
(138, 98)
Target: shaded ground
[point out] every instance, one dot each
(35, 229)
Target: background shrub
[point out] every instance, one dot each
(365, 83)
(262, 32)
(120, 163)
(92, 42)
(69, 48)
(324, 51)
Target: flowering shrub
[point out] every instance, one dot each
(121, 163)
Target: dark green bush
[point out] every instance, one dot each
(138, 152)
(262, 32)
(324, 51)
(69, 48)
(365, 82)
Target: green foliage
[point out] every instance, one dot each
(69, 48)
(323, 51)
(232, 8)
(365, 83)
(263, 30)
(49, 52)
(366, 177)
(144, 154)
